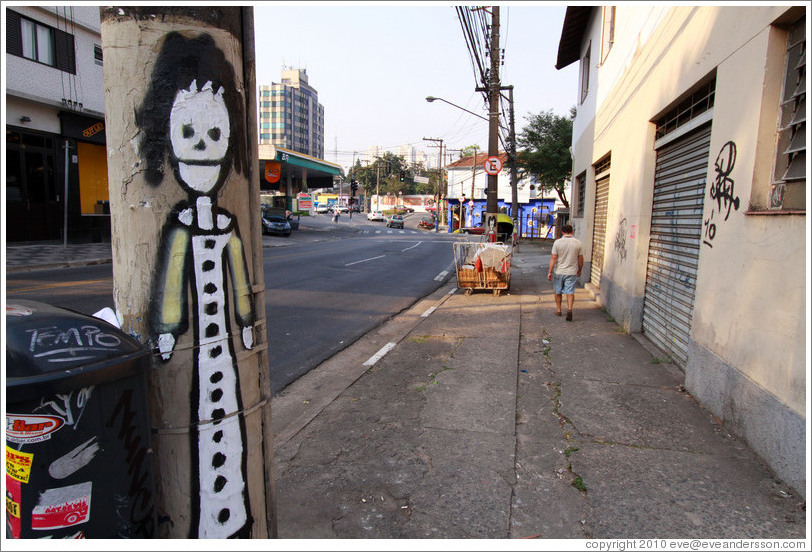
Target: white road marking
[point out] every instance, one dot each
(365, 260)
(377, 356)
(412, 247)
(441, 275)
(428, 312)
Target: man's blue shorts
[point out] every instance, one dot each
(564, 284)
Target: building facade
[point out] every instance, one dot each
(690, 194)
(56, 162)
(290, 115)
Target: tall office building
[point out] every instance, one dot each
(408, 153)
(290, 115)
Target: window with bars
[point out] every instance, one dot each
(700, 101)
(788, 191)
(581, 191)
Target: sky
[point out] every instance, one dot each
(374, 63)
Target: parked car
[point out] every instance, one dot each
(376, 215)
(395, 221)
(275, 224)
(478, 229)
(426, 222)
(322, 208)
(404, 209)
(339, 208)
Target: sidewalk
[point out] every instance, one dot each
(489, 417)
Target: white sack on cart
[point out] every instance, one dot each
(493, 255)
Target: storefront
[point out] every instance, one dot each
(36, 182)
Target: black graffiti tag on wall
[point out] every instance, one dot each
(138, 506)
(620, 240)
(721, 190)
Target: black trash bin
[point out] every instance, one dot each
(78, 458)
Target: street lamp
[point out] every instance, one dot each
(432, 98)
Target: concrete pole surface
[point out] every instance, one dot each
(187, 257)
(492, 199)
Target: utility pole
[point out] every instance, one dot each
(492, 203)
(180, 102)
(473, 177)
(513, 160)
(462, 192)
(439, 182)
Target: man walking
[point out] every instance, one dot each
(565, 268)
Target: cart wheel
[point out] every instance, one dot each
(497, 292)
(468, 291)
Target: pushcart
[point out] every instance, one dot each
(483, 265)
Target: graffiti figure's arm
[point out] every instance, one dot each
(170, 317)
(241, 285)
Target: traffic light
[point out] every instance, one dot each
(402, 176)
(354, 186)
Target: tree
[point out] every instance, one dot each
(471, 150)
(545, 152)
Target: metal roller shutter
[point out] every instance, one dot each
(599, 230)
(676, 232)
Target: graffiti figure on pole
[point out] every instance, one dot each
(190, 115)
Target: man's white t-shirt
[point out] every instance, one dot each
(568, 249)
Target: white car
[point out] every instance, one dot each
(322, 208)
(376, 215)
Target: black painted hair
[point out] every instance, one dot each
(181, 61)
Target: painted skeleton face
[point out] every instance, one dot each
(199, 132)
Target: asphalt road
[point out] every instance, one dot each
(326, 285)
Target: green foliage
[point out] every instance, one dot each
(383, 175)
(545, 153)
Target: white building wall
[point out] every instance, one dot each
(37, 82)
(747, 353)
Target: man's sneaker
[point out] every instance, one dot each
(569, 315)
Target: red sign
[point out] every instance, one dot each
(273, 171)
(493, 165)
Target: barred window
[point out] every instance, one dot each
(789, 177)
(700, 101)
(581, 187)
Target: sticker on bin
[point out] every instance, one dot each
(18, 310)
(18, 464)
(63, 507)
(13, 499)
(31, 428)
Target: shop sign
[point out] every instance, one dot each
(273, 171)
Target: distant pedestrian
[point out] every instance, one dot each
(565, 268)
(335, 214)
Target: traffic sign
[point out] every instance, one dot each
(493, 165)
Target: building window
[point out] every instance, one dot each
(585, 61)
(608, 37)
(32, 40)
(788, 191)
(38, 42)
(697, 103)
(97, 54)
(581, 191)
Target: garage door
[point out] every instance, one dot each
(676, 231)
(599, 230)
